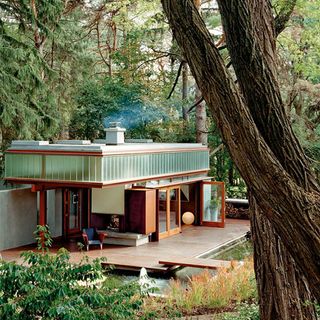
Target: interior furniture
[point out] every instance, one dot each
(92, 237)
(140, 210)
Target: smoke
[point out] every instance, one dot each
(135, 115)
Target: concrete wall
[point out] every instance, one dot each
(54, 212)
(18, 217)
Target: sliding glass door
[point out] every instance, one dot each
(212, 204)
(169, 212)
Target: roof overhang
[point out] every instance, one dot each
(99, 166)
(47, 184)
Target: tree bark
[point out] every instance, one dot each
(283, 295)
(201, 111)
(259, 72)
(295, 214)
(185, 74)
(283, 291)
(201, 120)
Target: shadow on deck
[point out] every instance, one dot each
(193, 242)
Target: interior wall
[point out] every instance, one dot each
(18, 217)
(189, 202)
(108, 201)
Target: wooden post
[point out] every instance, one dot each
(89, 207)
(155, 236)
(42, 207)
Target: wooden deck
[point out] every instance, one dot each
(193, 242)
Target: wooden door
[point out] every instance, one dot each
(212, 204)
(72, 211)
(169, 212)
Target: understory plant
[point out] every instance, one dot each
(205, 290)
(244, 311)
(49, 286)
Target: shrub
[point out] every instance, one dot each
(48, 286)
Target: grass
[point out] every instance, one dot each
(238, 252)
(205, 290)
(206, 293)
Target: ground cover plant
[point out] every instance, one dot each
(48, 286)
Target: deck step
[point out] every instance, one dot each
(124, 239)
(196, 263)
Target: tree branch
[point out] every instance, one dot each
(166, 52)
(280, 21)
(150, 60)
(217, 149)
(195, 104)
(99, 46)
(176, 80)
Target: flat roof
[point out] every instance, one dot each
(45, 146)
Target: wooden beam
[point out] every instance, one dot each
(196, 263)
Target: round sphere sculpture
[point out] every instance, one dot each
(188, 217)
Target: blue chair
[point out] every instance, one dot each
(92, 237)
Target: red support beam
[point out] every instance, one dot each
(42, 207)
(89, 207)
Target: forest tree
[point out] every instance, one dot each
(253, 123)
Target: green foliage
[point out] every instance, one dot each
(223, 168)
(42, 62)
(25, 101)
(49, 286)
(299, 73)
(300, 43)
(245, 311)
(112, 100)
(310, 140)
(43, 238)
(165, 130)
(102, 61)
(154, 308)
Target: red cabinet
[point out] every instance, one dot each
(140, 210)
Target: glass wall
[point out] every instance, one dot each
(103, 169)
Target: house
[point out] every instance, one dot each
(136, 187)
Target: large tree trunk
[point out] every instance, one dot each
(257, 79)
(201, 120)
(283, 291)
(295, 210)
(185, 75)
(201, 110)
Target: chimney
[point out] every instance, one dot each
(114, 134)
